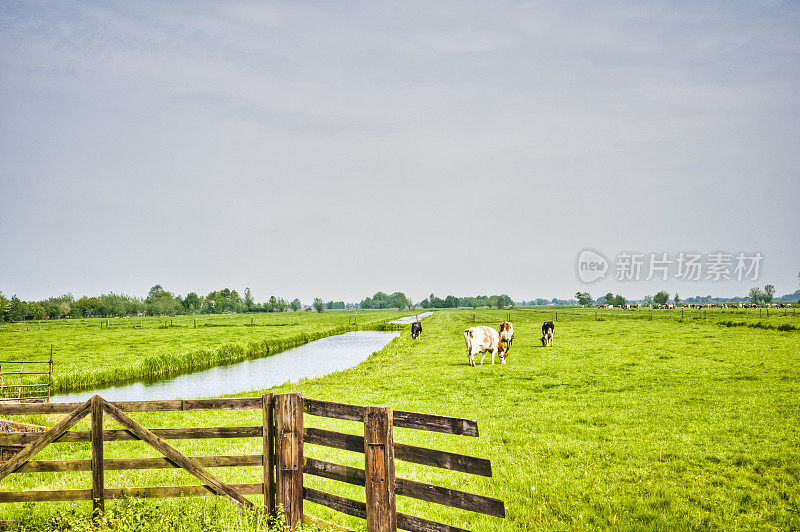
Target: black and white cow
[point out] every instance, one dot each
(416, 329)
(548, 331)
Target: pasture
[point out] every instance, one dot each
(95, 352)
(626, 423)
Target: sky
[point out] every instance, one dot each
(334, 149)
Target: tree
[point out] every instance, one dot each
(609, 297)
(661, 298)
(296, 305)
(36, 311)
(756, 295)
(584, 298)
(249, 304)
(619, 301)
(769, 291)
(17, 309)
(3, 307)
(192, 303)
(282, 305)
(318, 304)
(155, 292)
(676, 298)
(648, 300)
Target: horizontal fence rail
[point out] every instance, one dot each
(282, 460)
(411, 420)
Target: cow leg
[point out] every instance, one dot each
(483, 357)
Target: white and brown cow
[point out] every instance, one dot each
(507, 334)
(482, 339)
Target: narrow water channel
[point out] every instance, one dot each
(315, 359)
(412, 319)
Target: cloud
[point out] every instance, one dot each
(296, 127)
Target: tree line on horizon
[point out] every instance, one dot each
(662, 297)
(160, 302)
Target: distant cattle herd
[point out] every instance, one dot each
(702, 306)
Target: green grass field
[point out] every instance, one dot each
(89, 354)
(626, 423)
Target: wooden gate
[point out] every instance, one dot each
(21, 391)
(284, 463)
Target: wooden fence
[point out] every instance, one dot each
(20, 391)
(284, 462)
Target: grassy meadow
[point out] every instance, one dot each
(627, 423)
(90, 353)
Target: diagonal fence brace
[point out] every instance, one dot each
(45, 439)
(190, 465)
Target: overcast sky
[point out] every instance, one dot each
(334, 149)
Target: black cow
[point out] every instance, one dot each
(548, 330)
(416, 329)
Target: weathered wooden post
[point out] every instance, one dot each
(50, 378)
(379, 469)
(289, 455)
(98, 480)
(268, 407)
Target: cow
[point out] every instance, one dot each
(548, 331)
(507, 334)
(481, 339)
(416, 329)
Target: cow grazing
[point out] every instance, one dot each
(482, 339)
(548, 331)
(507, 334)
(416, 329)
